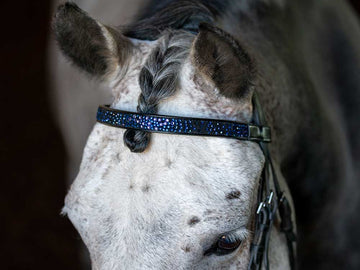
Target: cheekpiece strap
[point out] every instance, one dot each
(182, 125)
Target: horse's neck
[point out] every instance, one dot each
(299, 54)
(290, 95)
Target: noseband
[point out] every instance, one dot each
(271, 199)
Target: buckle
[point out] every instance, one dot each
(266, 203)
(257, 133)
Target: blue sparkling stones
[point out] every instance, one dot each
(173, 124)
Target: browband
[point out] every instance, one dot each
(182, 125)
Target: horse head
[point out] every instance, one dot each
(156, 201)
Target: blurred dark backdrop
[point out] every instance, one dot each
(33, 234)
(32, 155)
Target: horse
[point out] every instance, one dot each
(149, 200)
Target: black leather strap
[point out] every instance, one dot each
(268, 205)
(182, 125)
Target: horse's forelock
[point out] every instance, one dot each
(158, 80)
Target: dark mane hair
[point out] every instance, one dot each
(173, 21)
(158, 80)
(173, 14)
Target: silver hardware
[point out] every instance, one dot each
(259, 208)
(257, 133)
(271, 197)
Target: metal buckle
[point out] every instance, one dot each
(259, 208)
(271, 196)
(257, 133)
(267, 202)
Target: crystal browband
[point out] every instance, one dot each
(182, 125)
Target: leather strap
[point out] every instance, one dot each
(269, 203)
(182, 125)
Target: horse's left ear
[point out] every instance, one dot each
(221, 59)
(95, 48)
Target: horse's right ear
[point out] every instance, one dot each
(221, 59)
(95, 48)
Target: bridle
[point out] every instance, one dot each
(271, 199)
(270, 203)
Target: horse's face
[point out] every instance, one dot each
(166, 207)
(185, 202)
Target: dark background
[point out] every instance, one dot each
(32, 155)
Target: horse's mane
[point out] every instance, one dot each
(172, 14)
(158, 80)
(172, 21)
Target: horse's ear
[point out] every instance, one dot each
(221, 59)
(93, 47)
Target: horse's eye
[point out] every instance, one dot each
(226, 244)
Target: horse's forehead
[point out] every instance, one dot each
(179, 186)
(171, 162)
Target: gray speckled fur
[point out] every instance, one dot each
(308, 61)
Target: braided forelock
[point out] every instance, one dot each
(159, 80)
